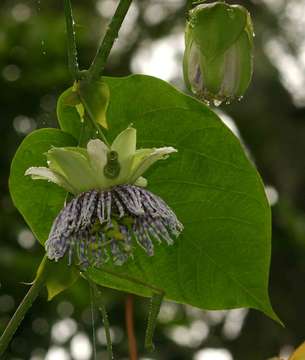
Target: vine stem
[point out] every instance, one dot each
(101, 306)
(24, 306)
(99, 62)
(189, 5)
(71, 41)
(132, 342)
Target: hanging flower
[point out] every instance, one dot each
(111, 208)
(218, 57)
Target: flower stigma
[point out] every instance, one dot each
(112, 168)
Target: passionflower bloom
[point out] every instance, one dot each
(218, 57)
(111, 210)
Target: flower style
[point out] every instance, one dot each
(111, 206)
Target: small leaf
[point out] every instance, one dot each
(60, 277)
(67, 114)
(72, 99)
(95, 98)
(71, 119)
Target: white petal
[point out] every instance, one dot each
(97, 151)
(125, 145)
(144, 158)
(44, 173)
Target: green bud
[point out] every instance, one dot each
(218, 58)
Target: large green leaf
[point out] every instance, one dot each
(40, 201)
(222, 258)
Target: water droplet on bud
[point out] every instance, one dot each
(217, 102)
(231, 13)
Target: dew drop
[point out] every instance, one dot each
(231, 13)
(43, 49)
(217, 102)
(205, 101)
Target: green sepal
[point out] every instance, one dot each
(216, 27)
(245, 45)
(74, 166)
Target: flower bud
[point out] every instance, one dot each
(218, 58)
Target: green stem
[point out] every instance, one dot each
(155, 305)
(71, 42)
(23, 307)
(97, 128)
(93, 322)
(101, 306)
(99, 62)
(189, 5)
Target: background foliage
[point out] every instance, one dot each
(271, 123)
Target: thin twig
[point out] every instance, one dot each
(155, 305)
(92, 320)
(132, 342)
(23, 307)
(189, 5)
(101, 306)
(71, 41)
(99, 62)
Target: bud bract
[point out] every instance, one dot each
(218, 58)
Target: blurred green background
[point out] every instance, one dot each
(270, 121)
